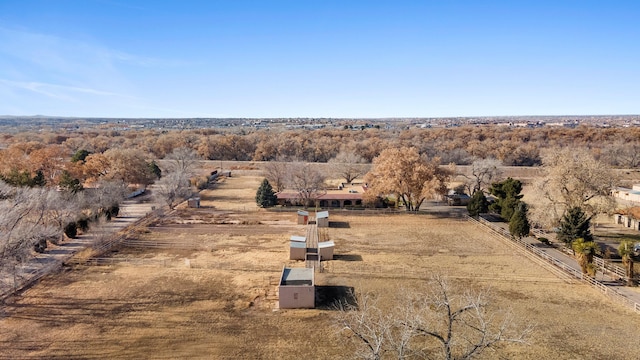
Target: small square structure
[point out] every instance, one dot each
(325, 248)
(193, 202)
(303, 217)
(297, 289)
(322, 219)
(297, 250)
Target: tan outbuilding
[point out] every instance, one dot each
(322, 219)
(303, 217)
(325, 249)
(193, 202)
(297, 289)
(297, 250)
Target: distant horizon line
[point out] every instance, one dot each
(319, 117)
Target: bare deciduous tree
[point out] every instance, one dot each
(172, 188)
(307, 181)
(348, 165)
(437, 322)
(624, 154)
(276, 172)
(483, 173)
(182, 160)
(571, 178)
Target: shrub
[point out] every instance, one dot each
(114, 210)
(71, 230)
(40, 246)
(83, 224)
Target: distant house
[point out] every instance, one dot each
(297, 289)
(344, 196)
(629, 218)
(627, 194)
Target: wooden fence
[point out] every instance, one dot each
(529, 250)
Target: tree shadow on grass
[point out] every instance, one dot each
(347, 257)
(328, 296)
(339, 224)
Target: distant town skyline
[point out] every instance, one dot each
(342, 59)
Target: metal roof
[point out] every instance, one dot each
(322, 214)
(325, 244)
(297, 245)
(303, 213)
(298, 238)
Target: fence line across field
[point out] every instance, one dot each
(529, 250)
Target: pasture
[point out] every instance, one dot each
(200, 283)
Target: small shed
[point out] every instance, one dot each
(325, 248)
(297, 289)
(322, 219)
(297, 250)
(303, 217)
(193, 202)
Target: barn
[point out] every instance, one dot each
(297, 289)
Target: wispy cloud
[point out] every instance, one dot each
(60, 92)
(83, 72)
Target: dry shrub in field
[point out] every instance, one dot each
(439, 321)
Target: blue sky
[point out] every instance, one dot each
(318, 58)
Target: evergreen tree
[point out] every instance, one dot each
(508, 197)
(16, 177)
(519, 224)
(80, 155)
(265, 196)
(478, 204)
(574, 224)
(68, 183)
(154, 169)
(39, 179)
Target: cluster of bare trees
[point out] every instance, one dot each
(175, 184)
(307, 180)
(31, 217)
(438, 321)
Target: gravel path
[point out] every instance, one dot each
(22, 275)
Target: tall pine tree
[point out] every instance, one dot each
(508, 197)
(265, 196)
(574, 224)
(519, 224)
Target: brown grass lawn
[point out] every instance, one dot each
(212, 296)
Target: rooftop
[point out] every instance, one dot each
(296, 276)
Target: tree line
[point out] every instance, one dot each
(617, 147)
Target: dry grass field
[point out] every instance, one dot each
(200, 283)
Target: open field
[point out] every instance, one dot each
(200, 283)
